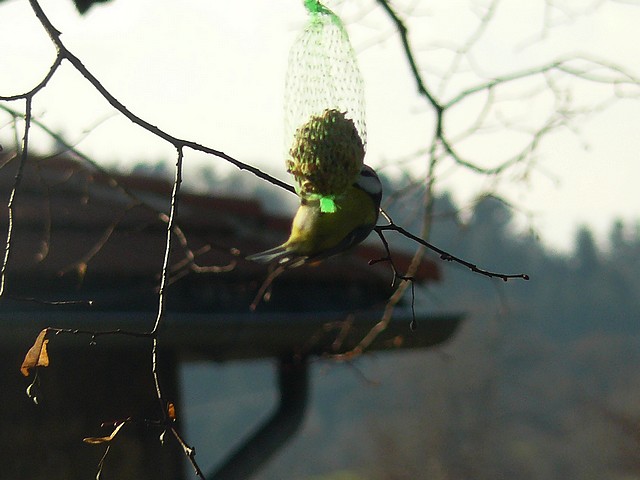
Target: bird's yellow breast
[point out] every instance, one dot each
(313, 231)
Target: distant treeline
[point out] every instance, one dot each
(533, 386)
(591, 289)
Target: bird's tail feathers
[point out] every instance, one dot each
(268, 256)
(279, 255)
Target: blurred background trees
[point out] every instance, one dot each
(541, 383)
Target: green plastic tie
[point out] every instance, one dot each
(314, 6)
(328, 204)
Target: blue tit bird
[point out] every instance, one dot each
(316, 235)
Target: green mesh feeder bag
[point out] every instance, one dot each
(325, 133)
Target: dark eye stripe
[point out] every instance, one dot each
(369, 182)
(368, 172)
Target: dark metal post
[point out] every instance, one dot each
(293, 382)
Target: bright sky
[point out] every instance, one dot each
(213, 72)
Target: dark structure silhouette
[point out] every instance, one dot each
(86, 253)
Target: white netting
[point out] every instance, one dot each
(323, 76)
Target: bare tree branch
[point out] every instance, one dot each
(65, 54)
(189, 263)
(404, 37)
(449, 257)
(441, 145)
(31, 93)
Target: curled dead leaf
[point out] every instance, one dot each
(99, 440)
(37, 355)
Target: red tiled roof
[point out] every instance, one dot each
(67, 213)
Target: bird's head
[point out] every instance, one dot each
(369, 182)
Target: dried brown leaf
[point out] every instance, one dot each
(171, 411)
(37, 355)
(99, 440)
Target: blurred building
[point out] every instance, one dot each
(86, 253)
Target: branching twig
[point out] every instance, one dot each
(189, 452)
(447, 256)
(404, 37)
(65, 54)
(163, 281)
(31, 93)
(407, 281)
(81, 265)
(136, 200)
(441, 145)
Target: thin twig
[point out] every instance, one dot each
(163, 280)
(189, 452)
(31, 93)
(81, 265)
(178, 143)
(449, 257)
(136, 200)
(16, 183)
(99, 333)
(167, 253)
(404, 38)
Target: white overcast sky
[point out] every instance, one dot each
(213, 72)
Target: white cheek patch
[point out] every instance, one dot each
(370, 184)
